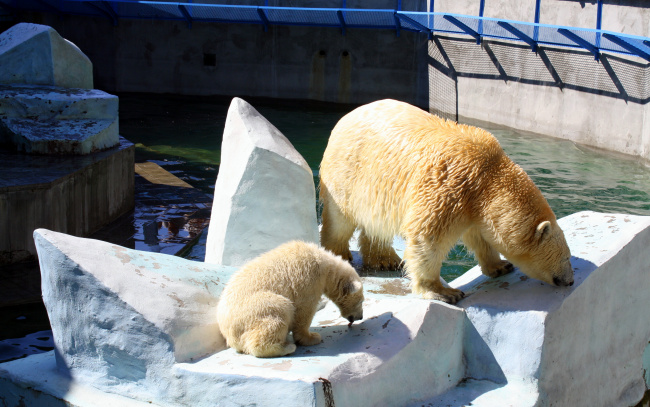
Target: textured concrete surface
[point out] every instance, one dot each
(264, 194)
(511, 341)
(55, 120)
(70, 194)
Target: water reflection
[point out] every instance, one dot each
(572, 178)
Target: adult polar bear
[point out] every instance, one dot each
(391, 168)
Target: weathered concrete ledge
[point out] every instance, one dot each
(54, 120)
(513, 338)
(71, 194)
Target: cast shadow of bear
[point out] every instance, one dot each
(382, 336)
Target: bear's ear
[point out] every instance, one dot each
(543, 229)
(352, 287)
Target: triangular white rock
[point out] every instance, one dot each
(122, 316)
(264, 194)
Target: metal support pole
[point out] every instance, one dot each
(481, 9)
(538, 4)
(599, 22)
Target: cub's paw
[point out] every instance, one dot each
(288, 349)
(499, 269)
(312, 339)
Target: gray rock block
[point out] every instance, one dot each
(54, 120)
(37, 54)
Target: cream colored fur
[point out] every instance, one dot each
(279, 292)
(391, 168)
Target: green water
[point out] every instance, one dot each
(183, 134)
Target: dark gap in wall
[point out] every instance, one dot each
(210, 59)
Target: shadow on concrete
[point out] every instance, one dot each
(382, 336)
(613, 76)
(516, 292)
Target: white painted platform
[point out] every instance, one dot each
(513, 341)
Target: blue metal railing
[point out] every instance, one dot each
(478, 27)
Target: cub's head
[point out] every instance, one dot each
(547, 257)
(350, 300)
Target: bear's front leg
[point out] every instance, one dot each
(423, 261)
(337, 229)
(302, 322)
(378, 254)
(488, 258)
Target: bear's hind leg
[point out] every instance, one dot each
(488, 258)
(267, 328)
(271, 350)
(337, 228)
(378, 254)
(423, 260)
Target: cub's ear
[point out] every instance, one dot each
(543, 229)
(352, 287)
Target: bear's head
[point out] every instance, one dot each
(350, 300)
(547, 257)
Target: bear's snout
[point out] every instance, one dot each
(560, 283)
(353, 318)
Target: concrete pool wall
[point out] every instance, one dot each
(560, 92)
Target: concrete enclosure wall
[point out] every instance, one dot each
(244, 60)
(561, 92)
(72, 194)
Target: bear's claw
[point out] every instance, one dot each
(386, 261)
(448, 295)
(503, 267)
(313, 338)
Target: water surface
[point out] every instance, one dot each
(184, 135)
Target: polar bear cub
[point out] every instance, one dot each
(278, 292)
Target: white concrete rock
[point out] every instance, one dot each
(264, 194)
(122, 318)
(582, 345)
(36, 54)
(513, 341)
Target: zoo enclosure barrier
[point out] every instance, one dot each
(431, 22)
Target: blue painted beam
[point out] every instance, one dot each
(481, 9)
(411, 21)
(581, 42)
(599, 21)
(538, 6)
(519, 34)
(185, 12)
(339, 14)
(398, 24)
(463, 27)
(628, 46)
(107, 11)
(264, 19)
(49, 6)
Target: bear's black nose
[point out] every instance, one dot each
(559, 282)
(351, 318)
